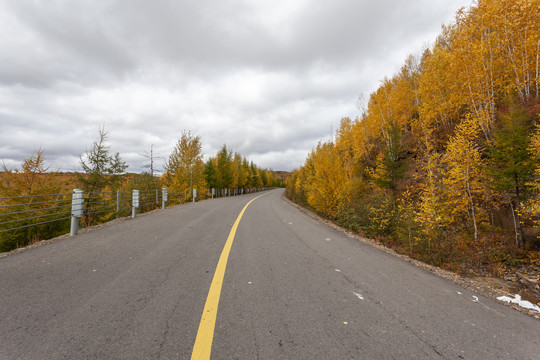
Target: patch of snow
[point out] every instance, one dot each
(358, 296)
(475, 299)
(459, 293)
(338, 270)
(523, 303)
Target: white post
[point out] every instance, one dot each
(135, 203)
(77, 210)
(164, 197)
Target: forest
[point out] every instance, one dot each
(443, 164)
(35, 202)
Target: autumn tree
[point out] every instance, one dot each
(246, 171)
(471, 155)
(463, 187)
(327, 182)
(227, 171)
(511, 166)
(224, 170)
(256, 180)
(33, 178)
(29, 192)
(185, 167)
(239, 173)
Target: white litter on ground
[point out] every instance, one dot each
(327, 239)
(358, 296)
(475, 299)
(523, 303)
(338, 270)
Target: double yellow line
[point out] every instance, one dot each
(205, 335)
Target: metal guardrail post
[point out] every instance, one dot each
(77, 210)
(194, 194)
(157, 197)
(135, 203)
(213, 192)
(164, 197)
(118, 201)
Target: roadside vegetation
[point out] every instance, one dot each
(443, 164)
(34, 193)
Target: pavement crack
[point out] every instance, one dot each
(431, 346)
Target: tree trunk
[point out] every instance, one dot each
(473, 212)
(519, 228)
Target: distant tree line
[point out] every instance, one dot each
(32, 191)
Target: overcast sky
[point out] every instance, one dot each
(268, 78)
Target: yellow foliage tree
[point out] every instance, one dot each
(185, 168)
(28, 196)
(326, 185)
(429, 213)
(32, 179)
(439, 116)
(463, 187)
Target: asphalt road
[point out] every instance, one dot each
(293, 289)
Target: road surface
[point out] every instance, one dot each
(293, 288)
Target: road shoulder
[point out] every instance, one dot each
(481, 285)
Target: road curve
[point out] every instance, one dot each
(293, 288)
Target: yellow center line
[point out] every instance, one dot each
(205, 335)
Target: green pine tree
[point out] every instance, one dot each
(510, 167)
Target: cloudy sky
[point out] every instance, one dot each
(268, 78)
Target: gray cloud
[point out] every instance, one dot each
(268, 78)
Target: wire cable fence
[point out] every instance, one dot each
(28, 219)
(98, 207)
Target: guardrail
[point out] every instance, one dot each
(48, 215)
